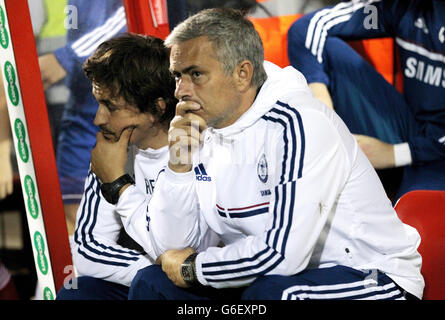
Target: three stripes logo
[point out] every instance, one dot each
(201, 174)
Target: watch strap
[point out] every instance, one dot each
(110, 190)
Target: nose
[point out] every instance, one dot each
(101, 117)
(183, 88)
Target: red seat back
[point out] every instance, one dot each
(273, 33)
(378, 52)
(425, 211)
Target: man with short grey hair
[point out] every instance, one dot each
(276, 174)
(222, 33)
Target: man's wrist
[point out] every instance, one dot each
(112, 191)
(111, 177)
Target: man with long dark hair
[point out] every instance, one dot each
(134, 88)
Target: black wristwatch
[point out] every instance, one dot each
(188, 270)
(110, 190)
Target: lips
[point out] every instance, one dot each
(200, 109)
(195, 111)
(108, 135)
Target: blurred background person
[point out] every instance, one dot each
(395, 130)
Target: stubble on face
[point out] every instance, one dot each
(215, 91)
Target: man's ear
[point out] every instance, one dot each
(160, 105)
(243, 75)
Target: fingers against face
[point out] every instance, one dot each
(186, 106)
(126, 136)
(185, 133)
(108, 157)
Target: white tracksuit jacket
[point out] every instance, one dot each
(95, 249)
(286, 187)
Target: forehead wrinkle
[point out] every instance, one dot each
(192, 52)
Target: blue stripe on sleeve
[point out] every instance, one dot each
(281, 214)
(250, 275)
(286, 143)
(288, 118)
(259, 263)
(89, 212)
(302, 136)
(235, 262)
(93, 224)
(291, 127)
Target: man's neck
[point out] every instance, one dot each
(247, 100)
(156, 141)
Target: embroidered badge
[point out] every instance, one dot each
(262, 169)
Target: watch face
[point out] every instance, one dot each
(186, 271)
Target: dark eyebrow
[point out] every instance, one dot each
(107, 103)
(184, 71)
